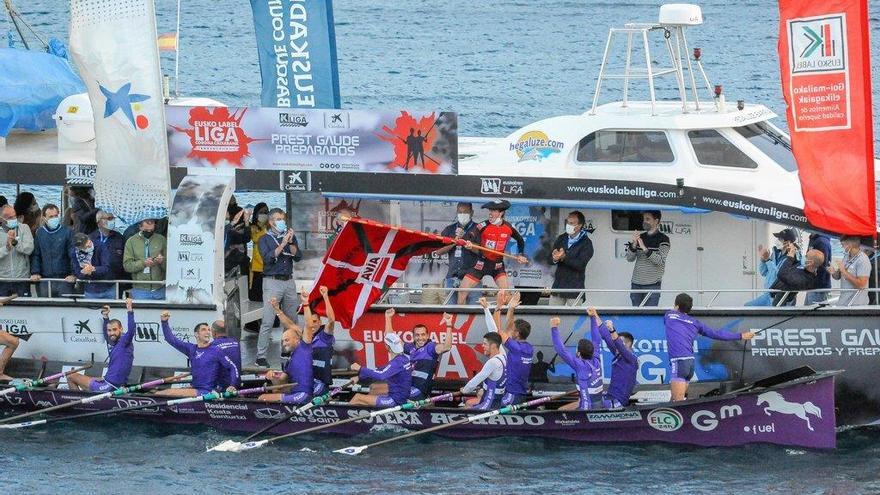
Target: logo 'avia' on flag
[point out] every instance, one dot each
(366, 258)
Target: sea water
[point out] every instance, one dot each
(500, 65)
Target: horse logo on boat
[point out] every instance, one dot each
(777, 403)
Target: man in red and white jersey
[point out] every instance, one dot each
(494, 233)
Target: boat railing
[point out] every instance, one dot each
(117, 285)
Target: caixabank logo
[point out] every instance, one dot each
(818, 44)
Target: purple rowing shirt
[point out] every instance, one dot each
(624, 367)
(322, 356)
(519, 363)
(299, 368)
(398, 375)
(588, 372)
(120, 355)
(682, 329)
(424, 360)
(231, 349)
(205, 362)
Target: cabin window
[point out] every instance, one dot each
(626, 220)
(712, 148)
(625, 147)
(771, 143)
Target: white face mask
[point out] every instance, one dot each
(569, 229)
(464, 218)
(497, 221)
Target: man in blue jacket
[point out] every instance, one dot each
(571, 253)
(91, 263)
(113, 242)
(51, 257)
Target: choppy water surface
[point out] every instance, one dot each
(500, 65)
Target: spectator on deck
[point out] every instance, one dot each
(91, 263)
(853, 272)
(113, 243)
(648, 250)
(28, 210)
(874, 277)
(236, 236)
(82, 205)
(540, 368)
(51, 257)
(571, 253)
(821, 243)
(460, 259)
(259, 227)
(793, 278)
(279, 250)
(144, 259)
(15, 250)
(770, 261)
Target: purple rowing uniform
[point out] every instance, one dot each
(424, 360)
(205, 362)
(681, 331)
(588, 372)
(519, 363)
(624, 368)
(299, 371)
(120, 355)
(322, 361)
(398, 374)
(230, 348)
(493, 380)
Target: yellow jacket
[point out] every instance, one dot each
(257, 231)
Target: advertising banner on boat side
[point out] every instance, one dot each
(405, 141)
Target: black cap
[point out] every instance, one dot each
(786, 235)
(497, 204)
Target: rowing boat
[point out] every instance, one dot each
(797, 412)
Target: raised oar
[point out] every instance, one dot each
(185, 400)
(373, 414)
(227, 445)
(27, 385)
(97, 397)
(469, 419)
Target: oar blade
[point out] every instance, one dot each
(351, 450)
(25, 424)
(225, 446)
(249, 446)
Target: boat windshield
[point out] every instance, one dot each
(771, 143)
(625, 147)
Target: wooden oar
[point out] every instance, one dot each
(174, 402)
(504, 410)
(28, 384)
(96, 397)
(317, 401)
(373, 414)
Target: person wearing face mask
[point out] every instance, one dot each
(853, 271)
(113, 242)
(460, 259)
(16, 246)
(648, 250)
(91, 263)
(770, 260)
(571, 253)
(793, 278)
(279, 250)
(494, 233)
(236, 236)
(51, 257)
(259, 227)
(144, 259)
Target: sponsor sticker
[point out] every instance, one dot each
(610, 417)
(665, 419)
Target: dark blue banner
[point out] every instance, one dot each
(296, 43)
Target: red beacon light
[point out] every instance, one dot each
(697, 54)
(717, 90)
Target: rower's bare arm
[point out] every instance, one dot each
(512, 304)
(592, 313)
(389, 326)
(446, 344)
(328, 308)
(286, 322)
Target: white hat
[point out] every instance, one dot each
(392, 340)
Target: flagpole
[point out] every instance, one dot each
(448, 240)
(177, 55)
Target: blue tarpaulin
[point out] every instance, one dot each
(32, 84)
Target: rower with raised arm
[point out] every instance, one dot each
(424, 353)
(298, 342)
(229, 347)
(585, 363)
(322, 347)
(624, 366)
(205, 361)
(397, 373)
(519, 354)
(492, 378)
(9, 343)
(120, 355)
(681, 331)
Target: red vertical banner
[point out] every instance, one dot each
(825, 65)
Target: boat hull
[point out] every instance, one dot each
(799, 413)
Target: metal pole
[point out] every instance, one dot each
(12, 12)
(650, 70)
(691, 70)
(177, 55)
(679, 69)
(629, 44)
(602, 73)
